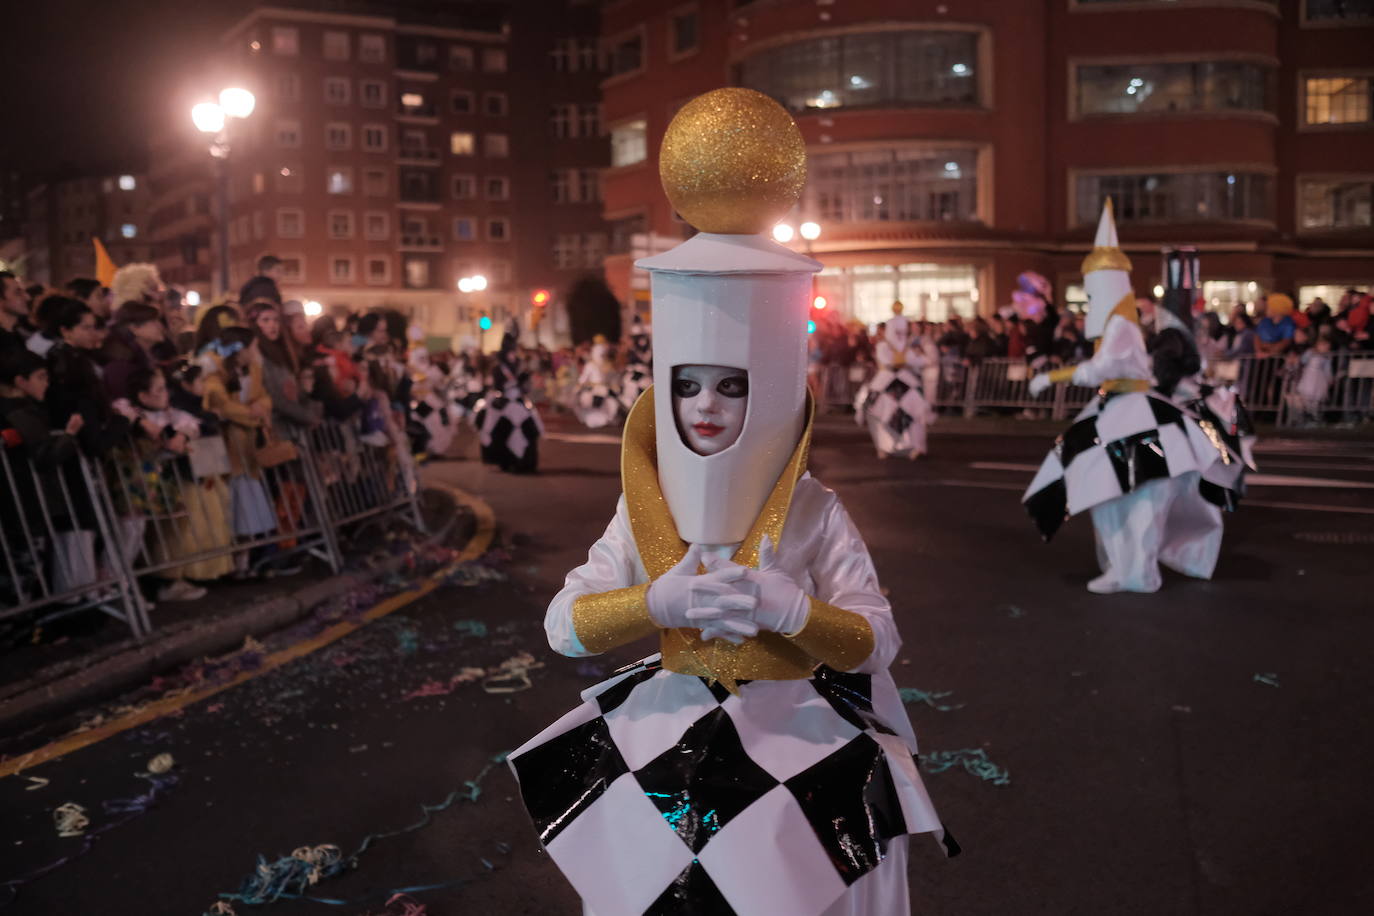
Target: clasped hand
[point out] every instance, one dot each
(728, 601)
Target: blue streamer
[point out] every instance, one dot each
(917, 695)
(973, 760)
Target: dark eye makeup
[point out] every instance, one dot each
(735, 386)
(686, 387)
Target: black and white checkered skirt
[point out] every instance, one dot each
(508, 430)
(633, 383)
(1223, 482)
(665, 794)
(1118, 443)
(597, 406)
(894, 398)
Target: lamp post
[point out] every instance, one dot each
(475, 284)
(212, 119)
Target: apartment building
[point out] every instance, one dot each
(64, 215)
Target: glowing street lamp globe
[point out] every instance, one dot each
(237, 103)
(312, 308)
(810, 231)
(783, 233)
(208, 117)
(479, 282)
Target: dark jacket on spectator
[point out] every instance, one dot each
(76, 387)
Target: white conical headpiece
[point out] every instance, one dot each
(1106, 275)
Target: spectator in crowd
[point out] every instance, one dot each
(76, 386)
(258, 291)
(272, 267)
(210, 323)
(15, 329)
(28, 438)
(1016, 337)
(137, 282)
(45, 319)
(1243, 338)
(1274, 333)
(980, 345)
(136, 332)
(1212, 342)
(95, 296)
(281, 373)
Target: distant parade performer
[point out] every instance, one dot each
(761, 763)
(508, 426)
(465, 387)
(597, 404)
(639, 364)
(1194, 525)
(892, 403)
(1131, 451)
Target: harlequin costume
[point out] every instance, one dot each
(774, 776)
(892, 404)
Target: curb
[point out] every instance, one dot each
(136, 662)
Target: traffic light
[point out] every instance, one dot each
(540, 298)
(484, 322)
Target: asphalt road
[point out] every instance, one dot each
(1151, 771)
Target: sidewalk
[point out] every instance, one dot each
(95, 656)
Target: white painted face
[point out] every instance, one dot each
(710, 403)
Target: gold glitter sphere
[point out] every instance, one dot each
(732, 162)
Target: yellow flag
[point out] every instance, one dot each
(104, 267)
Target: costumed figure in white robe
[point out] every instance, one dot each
(638, 376)
(430, 405)
(1130, 451)
(508, 425)
(761, 763)
(597, 404)
(892, 403)
(1192, 539)
(465, 386)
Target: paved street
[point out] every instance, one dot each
(1197, 751)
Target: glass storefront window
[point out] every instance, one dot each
(1330, 293)
(897, 184)
(1179, 197)
(1335, 204)
(1111, 89)
(886, 69)
(929, 292)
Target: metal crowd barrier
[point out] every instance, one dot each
(220, 506)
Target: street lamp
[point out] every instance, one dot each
(783, 232)
(212, 118)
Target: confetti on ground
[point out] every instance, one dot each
(71, 819)
(407, 641)
(35, 782)
(470, 628)
(917, 695)
(1268, 679)
(973, 760)
(160, 764)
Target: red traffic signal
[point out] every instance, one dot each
(540, 298)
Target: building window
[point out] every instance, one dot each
(629, 142)
(372, 48)
(1179, 197)
(259, 182)
(494, 104)
(497, 188)
(338, 90)
(589, 120)
(336, 45)
(460, 102)
(462, 143)
(340, 268)
(339, 180)
(464, 229)
(372, 93)
(129, 230)
(684, 26)
(290, 223)
(376, 182)
(571, 186)
(417, 273)
(627, 54)
(374, 138)
(1338, 99)
(289, 133)
(1335, 203)
(1147, 88)
(894, 184)
(573, 55)
(338, 135)
(1337, 11)
(624, 230)
(570, 121)
(493, 60)
(288, 180)
(289, 87)
(930, 292)
(414, 105)
(464, 187)
(419, 186)
(498, 229)
(460, 58)
(341, 224)
(496, 145)
(285, 40)
(884, 69)
(376, 225)
(292, 269)
(378, 269)
(567, 250)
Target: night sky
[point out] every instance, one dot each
(86, 79)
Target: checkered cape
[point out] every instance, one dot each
(509, 429)
(664, 794)
(636, 380)
(1223, 481)
(1118, 443)
(597, 405)
(892, 404)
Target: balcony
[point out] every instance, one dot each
(416, 156)
(421, 243)
(424, 112)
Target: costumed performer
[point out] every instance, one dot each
(508, 425)
(1123, 450)
(639, 364)
(597, 404)
(762, 763)
(892, 403)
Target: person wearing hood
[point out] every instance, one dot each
(892, 403)
(508, 425)
(597, 403)
(136, 331)
(761, 763)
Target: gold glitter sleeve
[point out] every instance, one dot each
(842, 639)
(609, 619)
(1062, 375)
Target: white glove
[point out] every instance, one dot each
(681, 598)
(782, 606)
(1039, 384)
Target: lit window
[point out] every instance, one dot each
(128, 230)
(339, 181)
(494, 60)
(462, 143)
(1339, 99)
(496, 145)
(336, 46)
(417, 273)
(894, 184)
(285, 40)
(629, 142)
(127, 182)
(371, 49)
(1336, 203)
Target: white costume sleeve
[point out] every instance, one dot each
(844, 576)
(613, 562)
(1122, 355)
